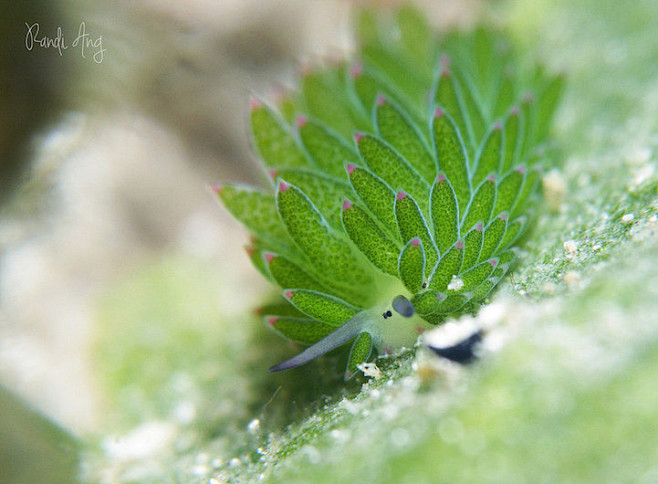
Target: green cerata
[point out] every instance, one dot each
(399, 183)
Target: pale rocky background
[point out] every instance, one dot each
(119, 179)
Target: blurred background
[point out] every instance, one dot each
(120, 275)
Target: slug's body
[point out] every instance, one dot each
(399, 185)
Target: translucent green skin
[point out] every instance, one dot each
(409, 172)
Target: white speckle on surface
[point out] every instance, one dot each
(185, 412)
(254, 426)
(349, 406)
(370, 370)
(548, 288)
(455, 283)
(555, 188)
(340, 436)
(429, 368)
(200, 470)
(451, 333)
(492, 315)
(640, 156)
(312, 454)
(571, 248)
(234, 462)
(628, 218)
(147, 440)
(584, 179)
(642, 174)
(571, 278)
(400, 437)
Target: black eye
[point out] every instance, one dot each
(424, 285)
(389, 314)
(403, 306)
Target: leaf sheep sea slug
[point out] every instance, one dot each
(399, 183)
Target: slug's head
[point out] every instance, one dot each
(367, 326)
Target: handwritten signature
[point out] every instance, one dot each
(84, 42)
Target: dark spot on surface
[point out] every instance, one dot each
(463, 352)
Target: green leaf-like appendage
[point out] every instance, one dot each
(274, 141)
(320, 306)
(399, 131)
(493, 234)
(411, 223)
(427, 303)
(411, 265)
(476, 275)
(481, 205)
(490, 156)
(360, 352)
(288, 274)
(327, 148)
(370, 239)
(301, 330)
(451, 155)
(508, 190)
(407, 176)
(326, 249)
(385, 162)
(448, 266)
(377, 196)
(445, 213)
(324, 191)
(473, 245)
